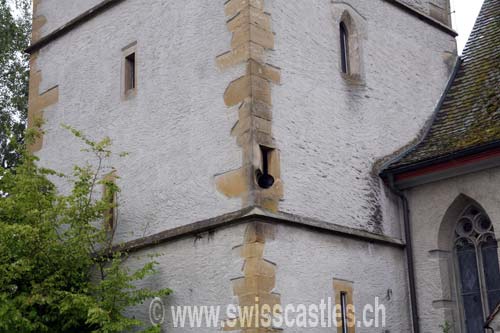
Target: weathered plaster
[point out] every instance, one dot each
(198, 269)
(330, 131)
(438, 9)
(175, 129)
(60, 12)
(308, 263)
(302, 265)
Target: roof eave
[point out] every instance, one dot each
(424, 17)
(457, 163)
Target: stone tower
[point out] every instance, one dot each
(253, 129)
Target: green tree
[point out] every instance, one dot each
(15, 31)
(58, 270)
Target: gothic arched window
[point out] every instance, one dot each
(344, 48)
(478, 270)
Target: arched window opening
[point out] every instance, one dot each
(344, 48)
(476, 252)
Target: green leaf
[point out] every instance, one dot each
(58, 272)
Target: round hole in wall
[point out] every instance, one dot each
(265, 181)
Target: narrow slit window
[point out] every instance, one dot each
(109, 197)
(343, 309)
(264, 179)
(130, 74)
(344, 48)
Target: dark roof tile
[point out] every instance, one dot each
(469, 115)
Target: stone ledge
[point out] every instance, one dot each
(73, 24)
(252, 214)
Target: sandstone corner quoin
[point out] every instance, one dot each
(252, 37)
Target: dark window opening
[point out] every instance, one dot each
(343, 311)
(344, 48)
(130, 75)
(264, 179)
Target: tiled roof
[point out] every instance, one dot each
(469, 115)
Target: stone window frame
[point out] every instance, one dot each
(126, 52)
(343, 287)
(346, 15)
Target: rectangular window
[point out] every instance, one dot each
(129, 70)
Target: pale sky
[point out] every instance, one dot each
(464, 15)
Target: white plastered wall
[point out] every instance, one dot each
(331, 130)
(176, 129)
(199, 271)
